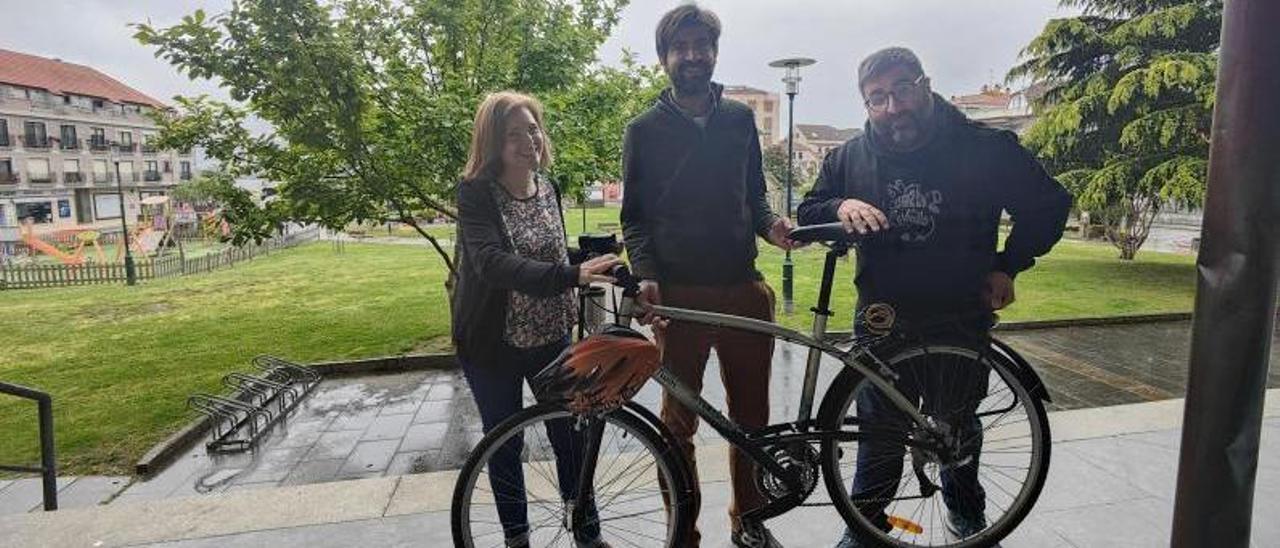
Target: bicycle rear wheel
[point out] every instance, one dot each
(519, 483)
(966, 481)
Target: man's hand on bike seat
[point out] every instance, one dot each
(861, 217)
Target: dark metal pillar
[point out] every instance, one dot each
(130, 271)
(788, 268)
(1236, 287)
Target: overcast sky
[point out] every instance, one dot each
(963, 44)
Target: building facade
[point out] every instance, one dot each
(66, 130)
(765, 106)
(814, 141)
(1000, 107)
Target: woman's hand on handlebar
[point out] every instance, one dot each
(595, 269)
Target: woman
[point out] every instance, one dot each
(514, 307)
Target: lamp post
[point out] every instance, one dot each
(791, 77)
(130, 273)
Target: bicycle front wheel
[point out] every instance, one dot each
(965, 480)
(520, 483)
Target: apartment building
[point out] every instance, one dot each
(64, 130)
(764, 105)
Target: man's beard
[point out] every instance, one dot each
(689, 85)
(911, 135)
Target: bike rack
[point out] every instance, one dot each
(254, 402)
(48, 466)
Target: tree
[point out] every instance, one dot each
(774, 159)
(1125, 121)
(372, 101)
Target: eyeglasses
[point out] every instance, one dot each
(880, 100)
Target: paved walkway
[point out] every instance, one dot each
(1110, 484)
(410, 423)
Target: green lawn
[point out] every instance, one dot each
(120, 361)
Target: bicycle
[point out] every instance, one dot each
(964, 411)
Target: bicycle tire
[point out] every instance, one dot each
(667, 461)
(842, 396)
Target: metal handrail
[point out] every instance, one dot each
(48, 466)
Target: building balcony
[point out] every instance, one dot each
(40, 179)
(102, 178)
(151, 176)
(148, 149)
(69, 144)
(8, 178)
(126, 148)
(32, 141)
(97, 145)
(185, 176)
(72, 177)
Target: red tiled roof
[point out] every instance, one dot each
(60, 78)
(990, 97)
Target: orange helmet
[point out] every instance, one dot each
(599, 372)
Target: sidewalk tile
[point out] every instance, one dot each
(334, 445)
(387, 428)
(368, 457)
(314, 471)
(424, 437)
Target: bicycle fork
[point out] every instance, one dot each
(584, 499)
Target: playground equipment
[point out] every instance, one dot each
(85, 238)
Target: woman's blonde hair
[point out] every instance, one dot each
(490, 129)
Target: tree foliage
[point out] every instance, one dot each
(1125, 119)
(371, 101)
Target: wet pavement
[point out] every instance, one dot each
(408, 423)
(426, 421)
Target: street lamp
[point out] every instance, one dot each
(130, 273)
(791, 77)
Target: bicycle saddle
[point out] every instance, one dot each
(826, 232)
(600, 372)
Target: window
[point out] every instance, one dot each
(35, 134)
(38, 212)
(66, 99)
(152, 171)
(71, 166)
(6, 171)
(97, 104)
(106, 206)
(38, 170)
(68, 136)
(100, 171)
(186, 169)
(98, 137)
(4, 133)
(4, 220)
(126, 138)
(152, 165)
(126, 172)
(168, 168)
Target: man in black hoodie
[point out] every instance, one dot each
(694, 203)
(938, 184)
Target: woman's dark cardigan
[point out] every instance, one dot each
(488, 270)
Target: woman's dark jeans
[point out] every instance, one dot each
(498, 389)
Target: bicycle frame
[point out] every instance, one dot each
(857, 357)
